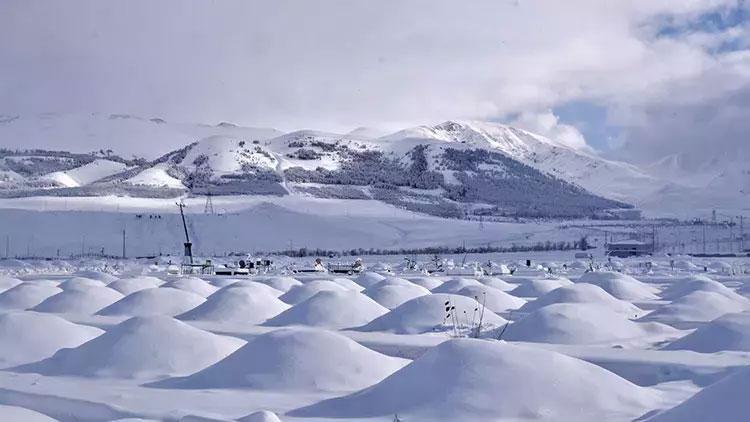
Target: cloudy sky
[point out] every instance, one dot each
(635, 80)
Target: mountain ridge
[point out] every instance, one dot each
(449, 169)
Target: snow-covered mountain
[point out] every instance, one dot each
(448, 169)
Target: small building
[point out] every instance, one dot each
(628, 248)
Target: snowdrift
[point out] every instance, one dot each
(535, 287)
(331, 309)
(8, 283)
(282, 284)
(263, 289)
(79, 301)
(394, 295)
(96, 275)
(724, 401)
(427, 313)
(27, 295)
(141, 347)
(497, 283)
(237, 304)
(495, 300)
(80, 283)
(729, 332)
(455, 284)
(260, 416)
(472, 380)
(21, 414)
(127, 286)
(303, 359)
(584, 293)
(159, 301)
(301, 293)
(580, 323)
(700, 283)
(367, 279)
(193, 285)
(28, 336)
(699, 306)
(347, 283)
(621, 286)
(428, 283)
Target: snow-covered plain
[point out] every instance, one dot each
(99, 340)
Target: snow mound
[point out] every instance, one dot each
(194, 285)
(96, 275)
(579, 323)
(331, 309)
(502, 382)
(221, 282)
(80, 283)
(127, 286)
(584, 293)
(724, 401)
(236, 304)
(159, 301)
(50, 334)
(621, 286)
(535, 287)
(699, 306)
(298, 359)
(729, 332)
(347, 283)
(301, 293)
(44, 282)
(261, 288)
(700, 283)
(282, 284)
(497, 283)
(141, 347)
(393, 295)
(368, 278)
(260, 416)
(392, 281)
(427, 313)
(27, 295)
(495, 300)
(428, 283)
(455, 284)
(21, 414)
(79, 301)
(7, 283)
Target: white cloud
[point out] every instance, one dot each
(547, 124)
(336, 65)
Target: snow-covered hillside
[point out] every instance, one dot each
(450, 169)
(611, 179)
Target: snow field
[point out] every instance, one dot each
(305, 347)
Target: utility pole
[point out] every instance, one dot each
(7, 246)
(704, 239)
(123, 243)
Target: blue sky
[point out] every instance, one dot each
(590, 117)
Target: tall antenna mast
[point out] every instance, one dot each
(188, 245)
